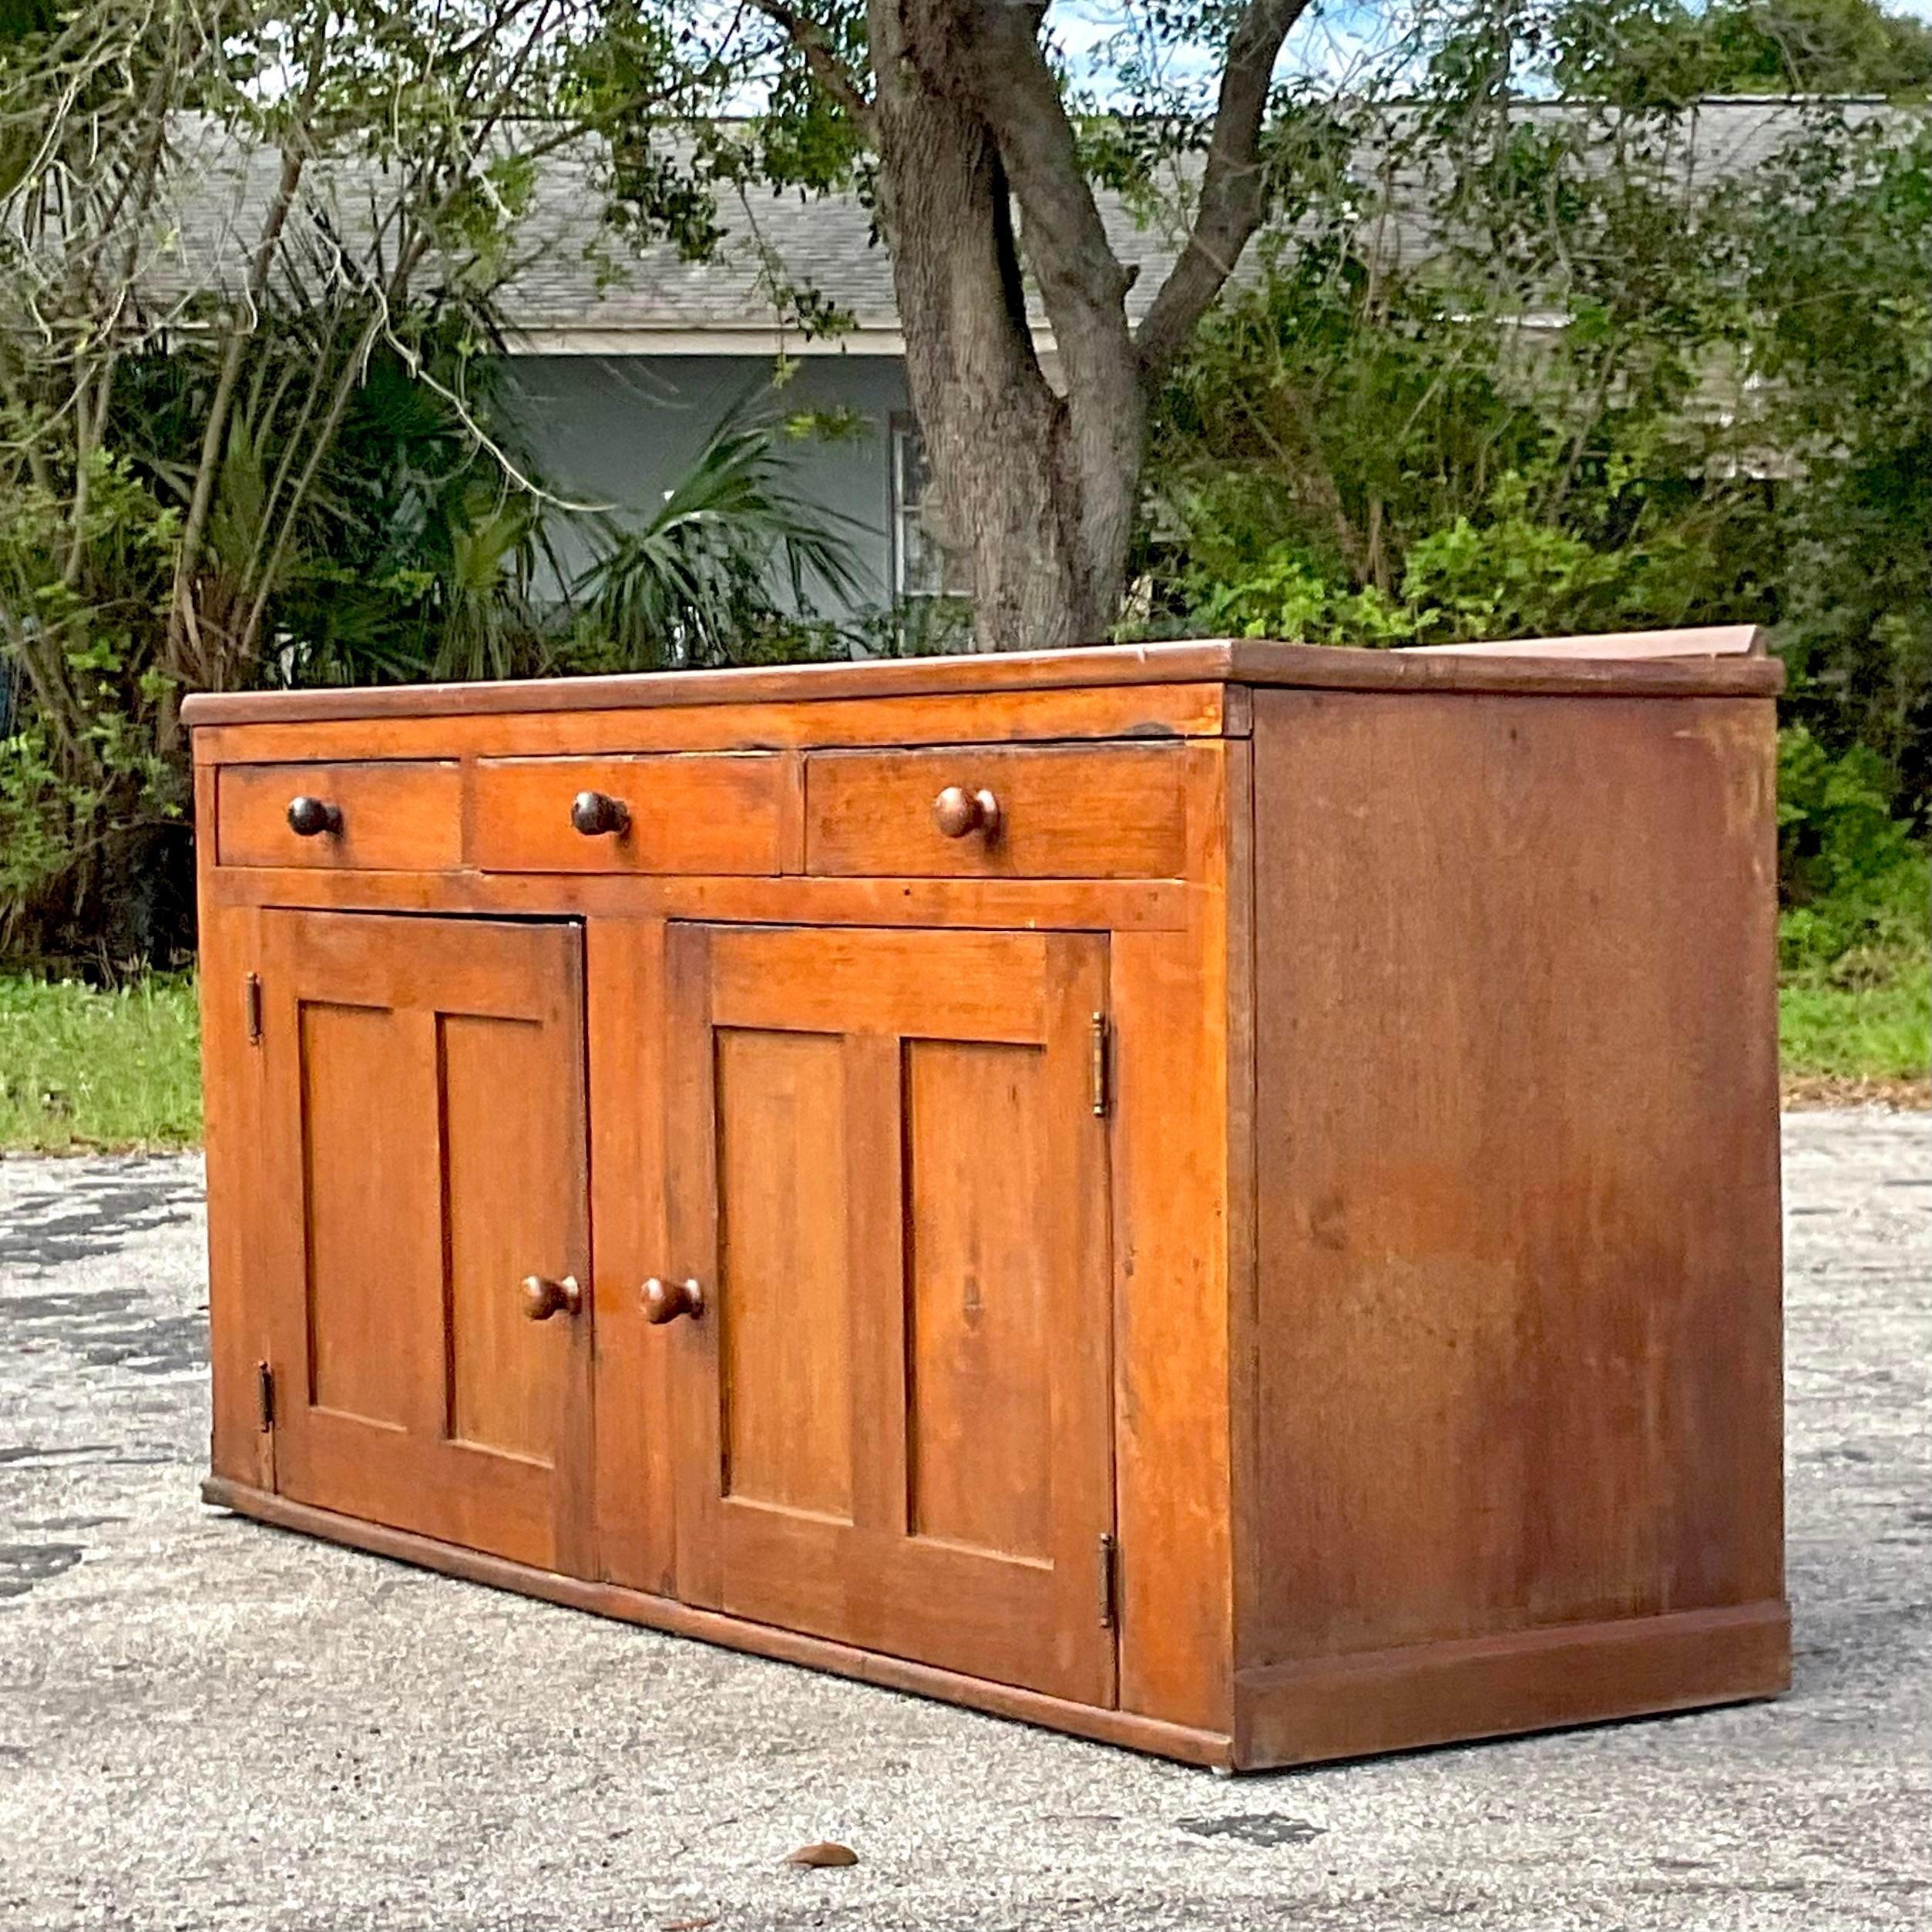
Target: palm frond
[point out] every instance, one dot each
(732, 548)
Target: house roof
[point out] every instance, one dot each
(664, 304)
(580, 287)
(826, 243)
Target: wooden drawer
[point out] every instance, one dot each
(1115, 811)
(399, 816)
(685, 813)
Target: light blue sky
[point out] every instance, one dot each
(1340, 37)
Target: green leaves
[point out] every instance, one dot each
(733, 552)
(1855, 879)
(1608, 378)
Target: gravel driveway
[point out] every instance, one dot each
(207, 1723)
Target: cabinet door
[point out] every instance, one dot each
(889, 1177)
(425, 1139)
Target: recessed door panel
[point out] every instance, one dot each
(353, 1063)
(424, 1139)
(787, 1395)
(887, 1174)
(979, 1378)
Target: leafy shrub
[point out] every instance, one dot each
(1290, 594)
(718, 573)
(1857, 884)
(1507, 575)
(84, 790)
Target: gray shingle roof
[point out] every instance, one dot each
(827, 242)
(573, 276)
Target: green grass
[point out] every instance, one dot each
(81, 1069)
(1881, 1030)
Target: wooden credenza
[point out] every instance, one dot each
(1223, 1197)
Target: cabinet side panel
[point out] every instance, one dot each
(239, 1448)
(1516, 1140)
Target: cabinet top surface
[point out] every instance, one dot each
(1714, 662)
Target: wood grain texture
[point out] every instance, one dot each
(510, 1390)
(1123, 1727)
(1246, 1537)
(1125, 906)
(1063, 813)
(977, 1385)
(395, 817)
(1211, 660)
(972, 986)
(624, 995)
(714, 815)
(366, 1100)
(824, 1084)
(1175, 994)
(423, 1151)
(1712, 640)
(1154, 713)
(1533, 1680)
(1408, 1314)
(785, 1330)
(1517, 1186)
(231, 1074)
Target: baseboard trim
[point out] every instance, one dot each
(1123, 1728)
(1532, 1680)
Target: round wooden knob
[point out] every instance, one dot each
(957, 811)
(595, 813)
(310, 817)
(665, 1301)
(543, 1298)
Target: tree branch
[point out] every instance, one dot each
(827, 69)
(241, 329)
(1081, 281)
(1232, 198)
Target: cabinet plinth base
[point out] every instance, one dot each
(1325, 1708)
(1532, 1680)
(1125, 1728)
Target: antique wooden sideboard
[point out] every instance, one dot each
(1222, 1196)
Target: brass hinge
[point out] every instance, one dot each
(251, 1001)
(265, 1394)
(1110, 1579)
(1102, 1041)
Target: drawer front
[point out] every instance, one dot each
(720, 814)
(401, 816)
(1118, 811)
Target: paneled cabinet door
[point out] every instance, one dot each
(424, 1233)
(888, 1180)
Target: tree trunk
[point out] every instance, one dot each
(1035, 486)
(1041, 512)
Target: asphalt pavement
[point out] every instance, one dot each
(204, 1722)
